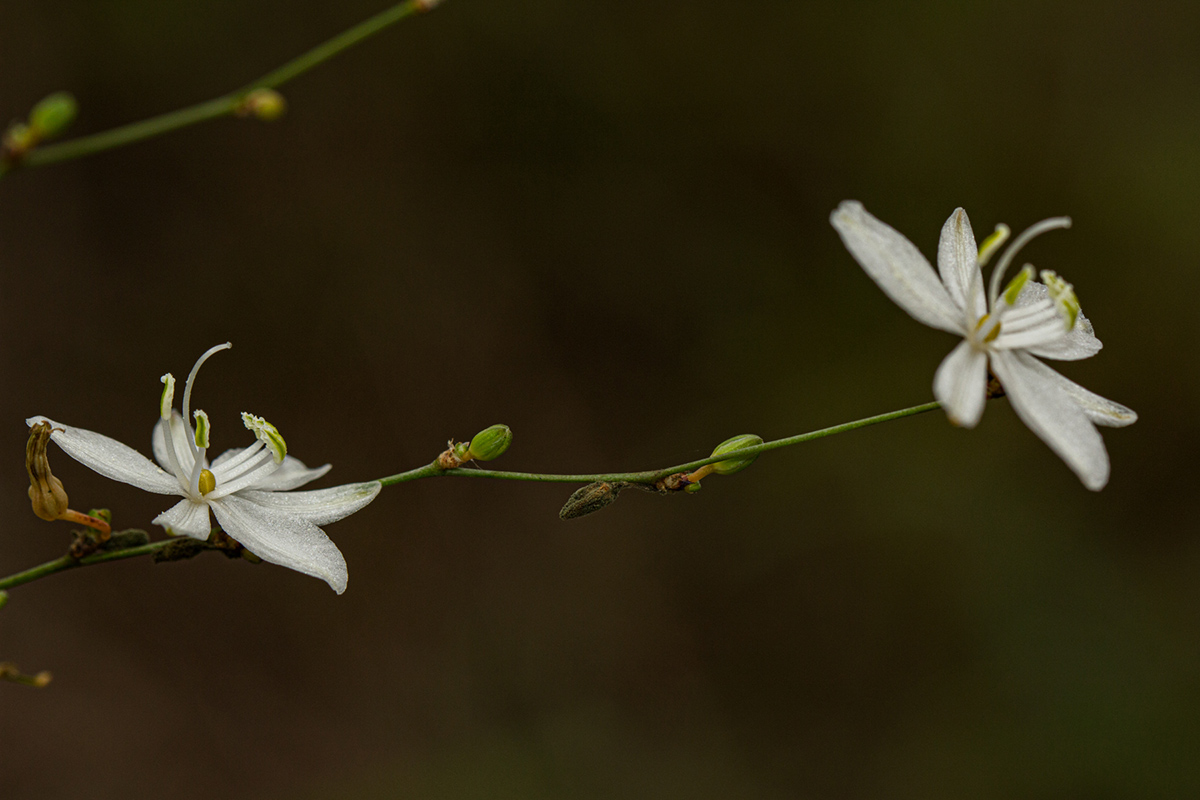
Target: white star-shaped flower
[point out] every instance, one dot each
(247, 489)
(1006, 329)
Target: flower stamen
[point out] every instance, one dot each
(1030, 233)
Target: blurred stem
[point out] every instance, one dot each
(650, 477)
(221, 106)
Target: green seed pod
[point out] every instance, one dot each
(728, 446)
(490, 443)
(53, 115)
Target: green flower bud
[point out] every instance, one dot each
(490, 443)
(3, 599)
(53, 115)
(728, 446)
(267, 105)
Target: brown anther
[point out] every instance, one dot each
(454, 455)
(673, 483)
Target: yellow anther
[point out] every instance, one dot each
(208, 481)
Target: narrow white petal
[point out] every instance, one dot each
(186, 518)
(1054, 415)
(898, 267)
(291, 473)
(110, 458)
(320, 506)
(282, 538)
(958, 264)
(1046, 333)
(960, 384)
(1080, 342)
(1099, 410)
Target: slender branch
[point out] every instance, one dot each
(67, 562)
(221, 106)
(647, 477)
(653, 475)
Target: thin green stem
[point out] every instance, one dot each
(647, 477)
(67, 562)
(224, 105)
(653, 475)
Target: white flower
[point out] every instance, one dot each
(246, 489)
(1005, 329)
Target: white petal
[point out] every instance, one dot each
(320, 506)
(960, 384)
(1080, 342)
(898, 267)
(282, 538)
(110, 458)
(186, 518)
(1099, 410)
(1053, 415)
(958, 264)
(158, 444)
(1046, 333)
(291, 473)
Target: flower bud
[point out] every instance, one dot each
(730, 445)
(53, 115)
(46, 492)
(267, 105)
(490, 443)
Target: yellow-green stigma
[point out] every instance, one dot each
(266, 433)
(208, 481)
(1063, 296)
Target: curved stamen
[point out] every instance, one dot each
(187, 392)
(1032, 231)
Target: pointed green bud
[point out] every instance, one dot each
(266, 433)
(201, 429)
(993, 243)
(1013, 290)
(490, 443)
(1063, 295)
(266, 105)
(53, 115)
(168, 396)
(730, 445)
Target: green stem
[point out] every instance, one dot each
(224, 105)
(66, 562)
(653, 475)
(433, 471)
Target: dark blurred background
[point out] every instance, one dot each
(606, 225)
